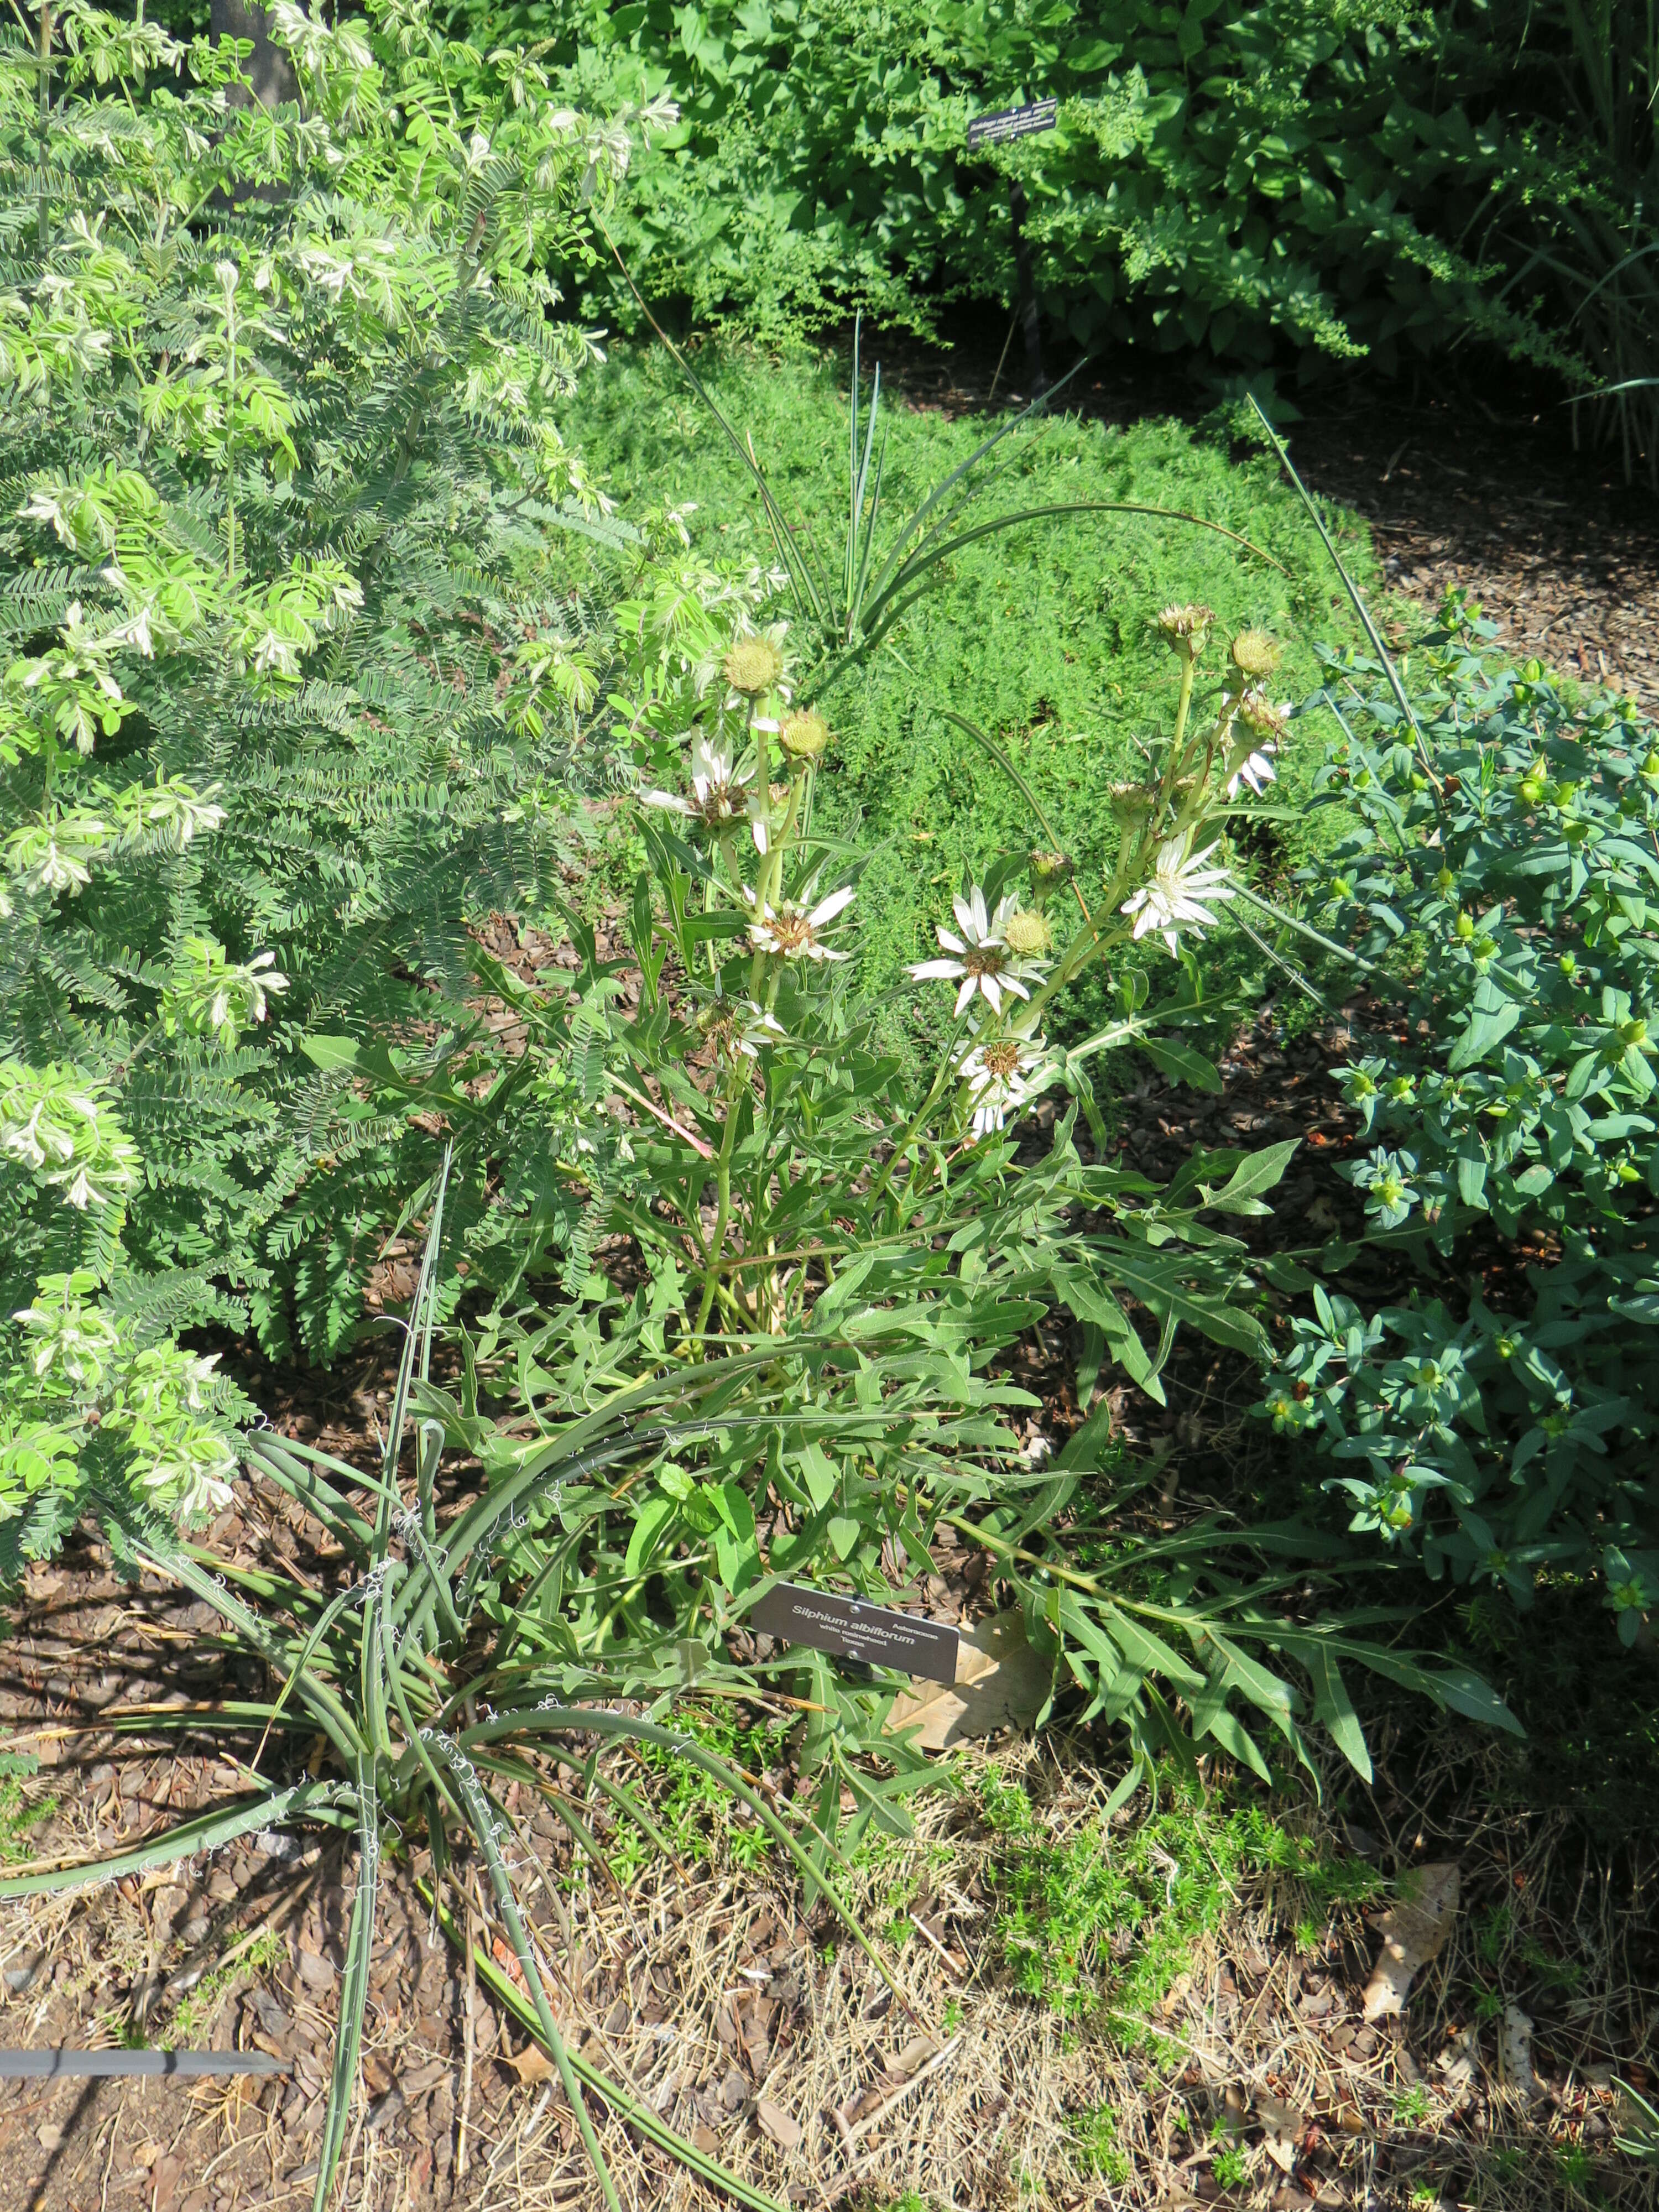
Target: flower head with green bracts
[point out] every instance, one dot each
(1185, 629)
(790, 931)
(1254, 654)
(1262, 718)
(756, 662)
(1173, 896)
(978, 957)
(803, 737)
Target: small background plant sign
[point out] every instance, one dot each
(1012, 123)
(848, 1629)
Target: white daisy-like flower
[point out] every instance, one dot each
(1171, 897)
(789, 932)
(719, 797)
(1257, 769)
(998, 1071)
(980, 959)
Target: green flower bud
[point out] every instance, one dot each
(1261, 718)
(1254, 654)
(1132, 802)
(753, 667)
(1027, 935)
(1185, 630)
(1048, 871)
(804, 736)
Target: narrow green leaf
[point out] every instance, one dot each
(1335, 1707)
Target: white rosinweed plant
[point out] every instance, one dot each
(1005, 965)
(844, 1249)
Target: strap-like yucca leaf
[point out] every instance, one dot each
(334, 1802)
(354, 1989)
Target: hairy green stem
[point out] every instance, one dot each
(722, 1211)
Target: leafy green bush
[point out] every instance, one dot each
(291, 677)
(1353, 179)
(1501, 866)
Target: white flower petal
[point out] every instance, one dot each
(827, 910)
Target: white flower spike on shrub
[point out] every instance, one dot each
(1171, 899)
(217, 998)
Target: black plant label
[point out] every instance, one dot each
(1012, 123)
(848, 1628)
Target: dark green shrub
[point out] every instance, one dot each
(1502, 864)
(1364, 178)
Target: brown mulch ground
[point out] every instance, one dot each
(707, 1990)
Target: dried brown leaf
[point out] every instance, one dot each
(1515, 2065)
(531, 2064)
(1000, 1683)
(783, 2128)
(1415, 1930)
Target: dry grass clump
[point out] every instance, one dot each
(1158, 2010)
